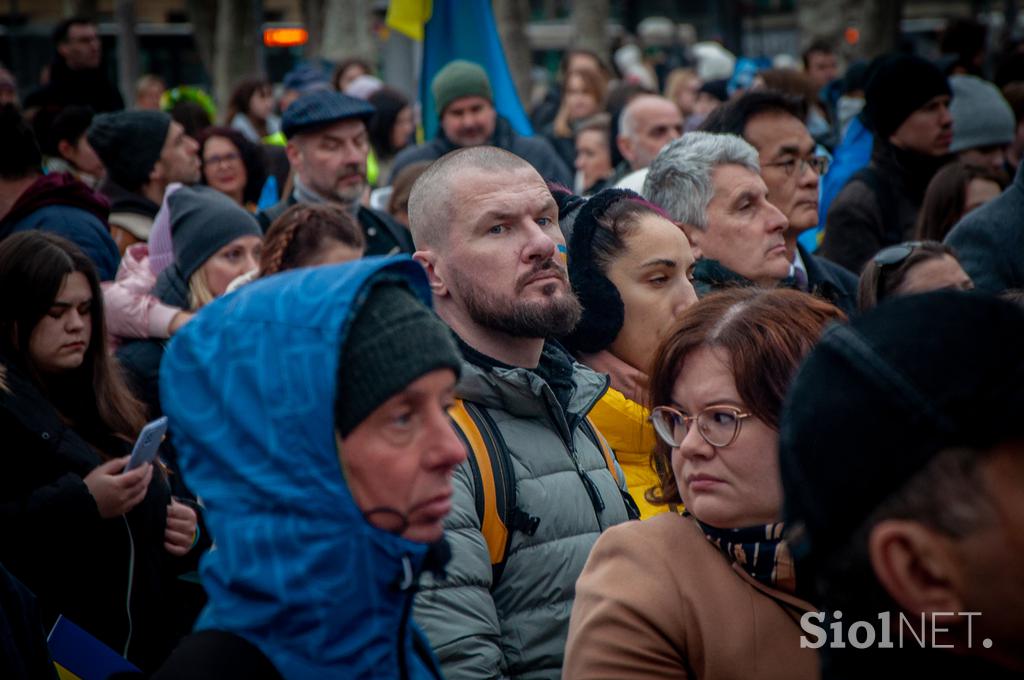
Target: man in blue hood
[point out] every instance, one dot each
(310, 414)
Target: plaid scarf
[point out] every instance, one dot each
(759, 550)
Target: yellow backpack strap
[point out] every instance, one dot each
(491, 526)
(609, 457)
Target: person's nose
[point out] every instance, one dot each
(686, 297)
(354, 154)
(192, 145)
(694, 445)
(809, 176)
(945, 117)
(774, 219)
(251, 261)
(75, 321)
(447, 450)
(539, 245)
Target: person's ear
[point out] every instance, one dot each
(294, 154)
(917, 566)
(429, 260)
(66, 149)
(625, 145)
(693, 235)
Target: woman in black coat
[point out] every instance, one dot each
(98, 545)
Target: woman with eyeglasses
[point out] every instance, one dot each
(711, 593)
(232, 165)
(910, 268)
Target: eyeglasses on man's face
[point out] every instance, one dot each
(819, 164)
(719, 424)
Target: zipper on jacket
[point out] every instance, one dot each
(403, 662)
(569, 440)
(131, 577)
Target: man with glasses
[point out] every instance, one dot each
(791, 169)
(710, 185)
(76, 73)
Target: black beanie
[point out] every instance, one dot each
(129, 144)
(875, 401)
(603, 310)
(393, 340)
(203, 220)
(897, 86)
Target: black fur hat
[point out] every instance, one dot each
(603, 310)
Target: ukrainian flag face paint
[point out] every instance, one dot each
(564, 254)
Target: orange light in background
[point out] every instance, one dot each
(852, 36)
(285, 37)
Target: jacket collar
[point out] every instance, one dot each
(523, 392)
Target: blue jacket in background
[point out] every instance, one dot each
(78, 226)
(249, 386)
(852, 154)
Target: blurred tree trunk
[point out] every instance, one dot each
(880, 28)
(236, 49)
(313, 20)
(590, 26)
(203, 16)
(511, 17)
(84, 8)
(347, 31)
(820, 20)
(127, 50)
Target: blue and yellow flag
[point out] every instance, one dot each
(465, 29)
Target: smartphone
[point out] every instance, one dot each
(148, 443)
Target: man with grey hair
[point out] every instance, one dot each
(711, 186)
(486, 230)
(646, 125)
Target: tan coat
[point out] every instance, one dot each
(657, 600)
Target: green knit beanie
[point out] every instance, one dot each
(393, 340)
(459, 78)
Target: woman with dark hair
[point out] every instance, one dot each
(232, 165)
(93, 542)
(629, 265)
(251, 110)
(348, 70)
(954, 191)
(310, 235)
(910, 268)
(390, 128)
(711, 593)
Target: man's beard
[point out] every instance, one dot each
(551, 317)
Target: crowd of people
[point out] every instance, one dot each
(721, 380)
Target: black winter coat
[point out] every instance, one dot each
(109, 576)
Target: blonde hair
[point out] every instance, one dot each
(199, 293)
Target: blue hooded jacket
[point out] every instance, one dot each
(249, 386)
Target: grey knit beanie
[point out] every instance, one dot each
(129, 144)
(393, 340)
(203, 220)
(459, 78)
(981, 116)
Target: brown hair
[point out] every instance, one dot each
(593, 84)
(401, 188)
(877, 282)
(794, 83)
(766, 334)
(946, 197)
(239, 101)
(300, 232)
(93, 396)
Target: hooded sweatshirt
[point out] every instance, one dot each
(249, 386)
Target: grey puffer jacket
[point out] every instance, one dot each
(518, 628)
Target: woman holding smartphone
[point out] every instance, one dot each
(98, 545)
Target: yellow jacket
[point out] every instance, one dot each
(624, 424)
